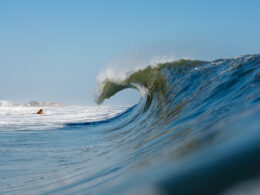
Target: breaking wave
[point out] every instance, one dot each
(194, 131)
(190, 106)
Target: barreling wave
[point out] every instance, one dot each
(161, 79)
(183, 104)
(186, 108)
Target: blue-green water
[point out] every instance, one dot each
(196, 130)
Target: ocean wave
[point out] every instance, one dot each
(194, 131)
(5, 103)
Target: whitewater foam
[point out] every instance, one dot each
(24, 118)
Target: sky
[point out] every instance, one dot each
(53, 50)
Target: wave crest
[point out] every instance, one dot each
(147, 81)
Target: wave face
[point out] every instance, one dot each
(195, 130)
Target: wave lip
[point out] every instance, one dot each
(147, 81)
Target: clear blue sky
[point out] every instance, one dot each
(54, 49)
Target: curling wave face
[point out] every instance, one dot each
(193, 117)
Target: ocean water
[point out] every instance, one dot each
(195, 130)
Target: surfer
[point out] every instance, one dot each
(40, 112)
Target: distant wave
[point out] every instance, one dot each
(5, 103)
(8, 103)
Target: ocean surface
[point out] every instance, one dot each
(195, 130)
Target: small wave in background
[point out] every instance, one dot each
(195, 130)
